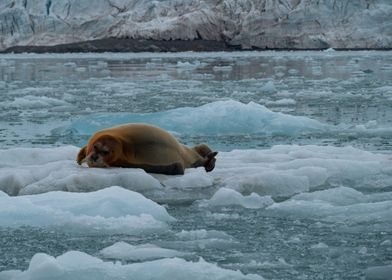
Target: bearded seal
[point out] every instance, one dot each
(144, 146)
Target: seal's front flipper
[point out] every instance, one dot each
(210, 161)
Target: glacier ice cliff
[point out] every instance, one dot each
(264, 24)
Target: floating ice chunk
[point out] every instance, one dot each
(342, 205)
(111, 210)
(280, 263)
(370, 125)
(269, 87)
(70, 64)
(386, 243)
(226, 68)
(201, 239)
(225, 197)
(125, 251)
(379, 272)
(230, 117)
(190, 65)
(35, 102)
(202, 234)
(319, 246)
(80, 69)
(282, 102)
(264, 181)
(79, 265)
(337, 196)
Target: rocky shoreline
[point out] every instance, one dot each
(127, 45)
(142, 45)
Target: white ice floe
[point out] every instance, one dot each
(144, 252)
(201, 234)
(111, 210)
(281, 171)
(201, 239)
(314, 181)
(38, 170)
(229, 117)
(79, 265)
(227, 197)
(343, 205)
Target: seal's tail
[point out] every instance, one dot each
(209, 156)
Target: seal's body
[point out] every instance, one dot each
(144, 146)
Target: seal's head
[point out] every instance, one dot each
(102, 152)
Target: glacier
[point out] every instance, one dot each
(263, 24)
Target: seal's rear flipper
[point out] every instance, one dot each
(210, 161)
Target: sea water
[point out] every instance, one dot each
(302, 187)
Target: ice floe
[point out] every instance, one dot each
(338, 205)
(281, 171)
(321, 182)
(201, 239)
(229, 117)
(110, 210)
(227, 197)
(79, 265)
(127, 252)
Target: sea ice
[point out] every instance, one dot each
(342, 205)
(78, 265)
(230, 117)
(126, 252)
(281, 171)
(111, 210)
(201, 239)
(226, 197)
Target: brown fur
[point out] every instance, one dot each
(144, 146)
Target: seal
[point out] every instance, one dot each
(144, 146)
